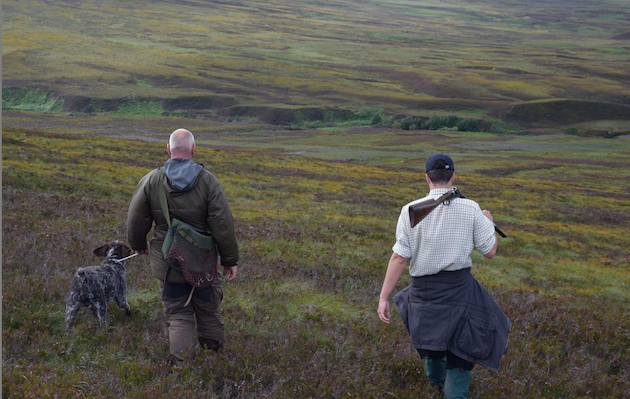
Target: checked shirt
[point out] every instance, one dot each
(444, 239)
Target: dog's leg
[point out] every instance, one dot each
(73, 300)
(99, 310)
(72, 308)
(121, 298)
(94, 309)
(122, 303)
(102, 313)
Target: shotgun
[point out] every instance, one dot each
(419, 211)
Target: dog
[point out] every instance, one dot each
(96, 286)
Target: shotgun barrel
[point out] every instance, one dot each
(498, 230)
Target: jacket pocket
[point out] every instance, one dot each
(476, 338)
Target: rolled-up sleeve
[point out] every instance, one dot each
(402, 247)
(484, 237)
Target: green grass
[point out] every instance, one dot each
(140, 107)
(30, 99)
(315, 232)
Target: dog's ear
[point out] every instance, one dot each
(101, 251)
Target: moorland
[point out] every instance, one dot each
(317, 117)
(530, 65)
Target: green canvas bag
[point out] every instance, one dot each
(186, 248)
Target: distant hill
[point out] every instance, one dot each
(474, 58)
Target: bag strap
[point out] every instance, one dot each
(162, 196)
(164, 203)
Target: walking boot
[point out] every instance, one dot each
(436, 372)
(207, 343)
(457, 384)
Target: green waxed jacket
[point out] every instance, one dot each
(203, 206)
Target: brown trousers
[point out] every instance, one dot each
(202, 314)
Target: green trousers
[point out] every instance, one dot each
(199, 321)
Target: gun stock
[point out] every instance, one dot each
(419, 211)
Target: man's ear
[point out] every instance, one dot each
(101, 251)
(192, 151)
(452, 181)
(168, 149)
(426, 176)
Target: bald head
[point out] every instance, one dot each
(181, 144)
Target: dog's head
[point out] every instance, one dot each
(114, 249)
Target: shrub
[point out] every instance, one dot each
(330, 118)
(467, 125)
(502, 127)
(571, 130)
(367, 113)
(180, 114)
(611, 135)
(376, 119)
(434, 123)
(450, 121)
(410, 123)
(315, 124)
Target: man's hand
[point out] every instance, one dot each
(230, 272)
(395, 268)
(144, 251)
(487, 214)
(383, 311)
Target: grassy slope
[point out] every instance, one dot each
(301, 319)
(315, 237)
(409, 57)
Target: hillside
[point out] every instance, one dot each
(317, 117)
(315, 213)
(473, 58)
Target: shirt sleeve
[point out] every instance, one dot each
(484, 237)
(403, 247)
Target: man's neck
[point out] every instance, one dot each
(437, 186)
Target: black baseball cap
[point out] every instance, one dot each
(448, 162)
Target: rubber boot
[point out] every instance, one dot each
(457, 384)
(436, 372)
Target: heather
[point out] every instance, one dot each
(317, 117)
(315, 235)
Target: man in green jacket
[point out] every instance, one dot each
(194, 196)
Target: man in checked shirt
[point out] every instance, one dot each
(453, 322)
